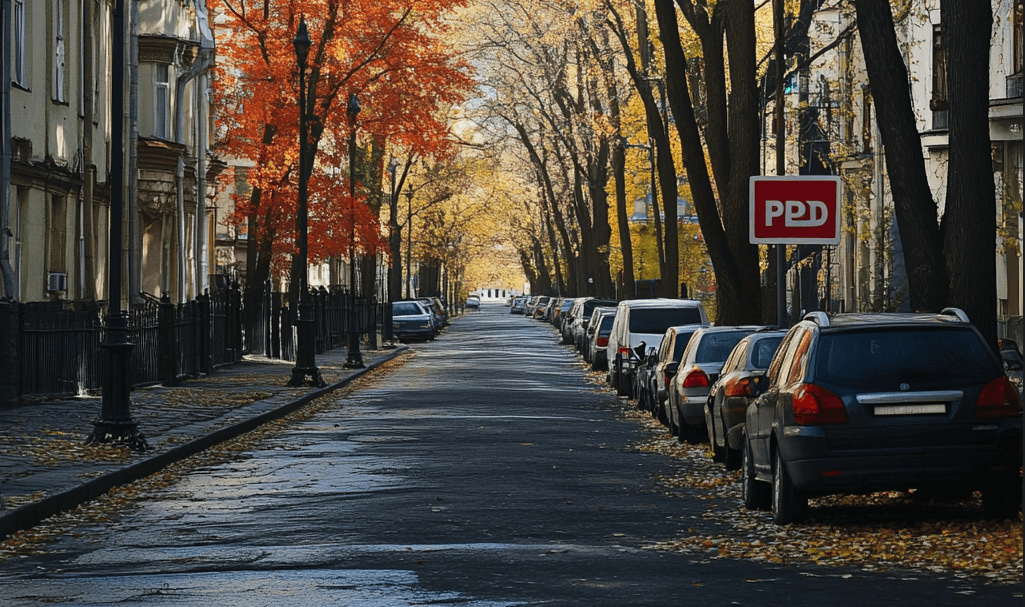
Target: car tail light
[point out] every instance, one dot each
(738, 387)
(814, 405)
(695, 379)
(624, 350)
(602, 342)
(998, 399)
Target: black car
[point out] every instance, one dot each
(858, 403)
(730, 395)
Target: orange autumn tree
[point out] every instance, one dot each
(389, 53)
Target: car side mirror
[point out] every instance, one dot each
(639, 350)
(671, 368)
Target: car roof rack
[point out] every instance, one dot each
(958, 312)
(818, 317)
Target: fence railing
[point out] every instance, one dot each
(54, 349)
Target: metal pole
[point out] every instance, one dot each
(115, 423)
(354, 359)
(409, 243)
(781, 300)
(305, 356)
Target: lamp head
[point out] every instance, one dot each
(301, 42)
(353, 108)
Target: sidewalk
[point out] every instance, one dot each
(45, 467)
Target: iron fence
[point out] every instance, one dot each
(54, 349)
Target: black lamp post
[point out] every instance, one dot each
(115, 423)
(354, 360)
(409, 243)
(305, 369)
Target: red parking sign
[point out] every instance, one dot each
(795, 209)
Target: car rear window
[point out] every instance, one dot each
(853, 358)
(658, 320)
(406, 309)
(682, 339)
(605, 327)
(716, 347)
(764, 350)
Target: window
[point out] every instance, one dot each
(866, 120)
(58, 233)
(18, 69)
(938, 102)
(1017, 60)
(160, 100)
(58, 51)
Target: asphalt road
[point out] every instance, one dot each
(485, 471)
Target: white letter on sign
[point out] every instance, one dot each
(773, 208)
(816, 214)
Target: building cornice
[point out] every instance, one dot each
(162, 49)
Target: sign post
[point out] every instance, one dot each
(794, 209)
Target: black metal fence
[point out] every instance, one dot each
(53, 349)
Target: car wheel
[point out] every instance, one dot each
(756, 493)
(1001, 498)
(732, 458)
(622, 387)
(718, 455)
(689, 433)
(661, 415)
(788, 505)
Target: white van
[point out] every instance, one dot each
(644, 320)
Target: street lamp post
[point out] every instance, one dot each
(354, 360)
(409, 242)
(305, 368)
(389, 330)
(115, 423)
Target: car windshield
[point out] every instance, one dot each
(658, 320)
(763, 351)
(406, 308)
(854, 358)
(682, 339)
(591, 304)
(716, 347)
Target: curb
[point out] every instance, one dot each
(30, 515)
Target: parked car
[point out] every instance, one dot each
(518, 306)
(699, 368)
(644, 320)
(558, 314)
(856, 403)
(598, 329)
(669, 354)
(433, 305)
(1011, 357)
(730, 395)
(531, 305)
(473, 302)
(578, 328)
(410, 319)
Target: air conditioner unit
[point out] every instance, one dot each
(56, 281)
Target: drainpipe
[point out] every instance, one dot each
(5, 171)
(134, 220)
(201, 65)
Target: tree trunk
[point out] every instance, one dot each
(913, 202)
(969, 221)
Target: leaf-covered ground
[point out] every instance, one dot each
(878, 532)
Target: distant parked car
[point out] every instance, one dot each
(519, 305)
(856, 403)
(598, 329)
(473, 302)
(644, 320)
(580, 318)
(699, 368)
(729, 396)
(670, 352)
(1011, 357)
(410, 319)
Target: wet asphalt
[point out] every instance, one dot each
(485, 471)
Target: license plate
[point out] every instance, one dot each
(923, 409)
